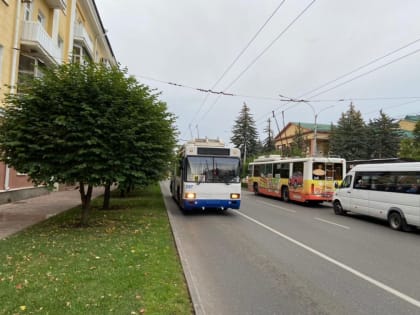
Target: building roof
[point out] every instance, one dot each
(413, 118)
(310, 126)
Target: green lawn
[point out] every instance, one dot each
(124, 263)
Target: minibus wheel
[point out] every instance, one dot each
(397, 222)
(338, 208)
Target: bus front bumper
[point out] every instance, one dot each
(210, 204)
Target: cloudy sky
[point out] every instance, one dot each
(326, 52)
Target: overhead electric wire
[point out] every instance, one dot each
(361, 67)
(357, 69)
(261, 54)
(368, 72)
(237, 57)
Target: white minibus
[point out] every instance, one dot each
(388, 191)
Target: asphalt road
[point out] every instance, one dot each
(272, 257)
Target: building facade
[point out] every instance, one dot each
(409, 122)
(316, 138)
(35, 34)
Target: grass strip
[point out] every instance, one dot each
(125, 262)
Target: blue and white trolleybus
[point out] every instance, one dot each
(206, 176)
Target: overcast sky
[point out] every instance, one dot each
(299, 53)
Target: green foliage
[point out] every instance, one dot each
(410, 148)
(299, 145)
(349, 138)
(269, 144)
(244, 133)
(384, 136)
(87, 123)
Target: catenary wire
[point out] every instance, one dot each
(260, 55)
(235, 60)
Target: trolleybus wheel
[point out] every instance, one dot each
(285, 194)
(255, 188)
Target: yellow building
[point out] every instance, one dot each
(409, 122)
(316, 138)
(35, 34)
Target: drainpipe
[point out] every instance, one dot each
(71, 33)
(13, 75)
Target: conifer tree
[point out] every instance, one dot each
(349, 138)
(244, 134)
(269, 143)
(384, 135)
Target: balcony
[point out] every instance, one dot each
(57, 4)
(38, 43)
(81, 37)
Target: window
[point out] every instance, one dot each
(27, 11)
(80, 55)
(399, 182)
(60, 44)
(29, 67)
(208, 169)
(346, 182)
(297, 176)
(281, 170)
(318, 171)
(41, 19)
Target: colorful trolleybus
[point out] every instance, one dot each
(206, 175)
(311, 179)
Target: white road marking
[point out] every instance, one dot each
(357, 273)
(278, 207)
(333, 223)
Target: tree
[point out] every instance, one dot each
(298, 146)
(349, 138)
(87, 124)
(245, 134)
(410, 147)
(269, 143)
(384, 135)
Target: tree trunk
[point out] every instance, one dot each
(107, 196)
(86, 198)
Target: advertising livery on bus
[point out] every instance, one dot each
(311, 179)
(206, 175)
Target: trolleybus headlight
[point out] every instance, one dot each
(189, 195)
(235, 196)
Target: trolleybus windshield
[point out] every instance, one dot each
(208, 169)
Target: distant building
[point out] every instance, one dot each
(408, 124)
(311, 133)
(35, 34)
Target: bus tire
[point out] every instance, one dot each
(338, 208)
(255, 188)
(397, 222)
(285, 194)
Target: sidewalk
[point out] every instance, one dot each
(21, 214)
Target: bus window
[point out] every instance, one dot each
(297, 175)
(318, 171)
(257, 170)
(284, 170)
(338, 171)
(269, 170)
(250, 170)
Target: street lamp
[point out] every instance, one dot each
(315, 152)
